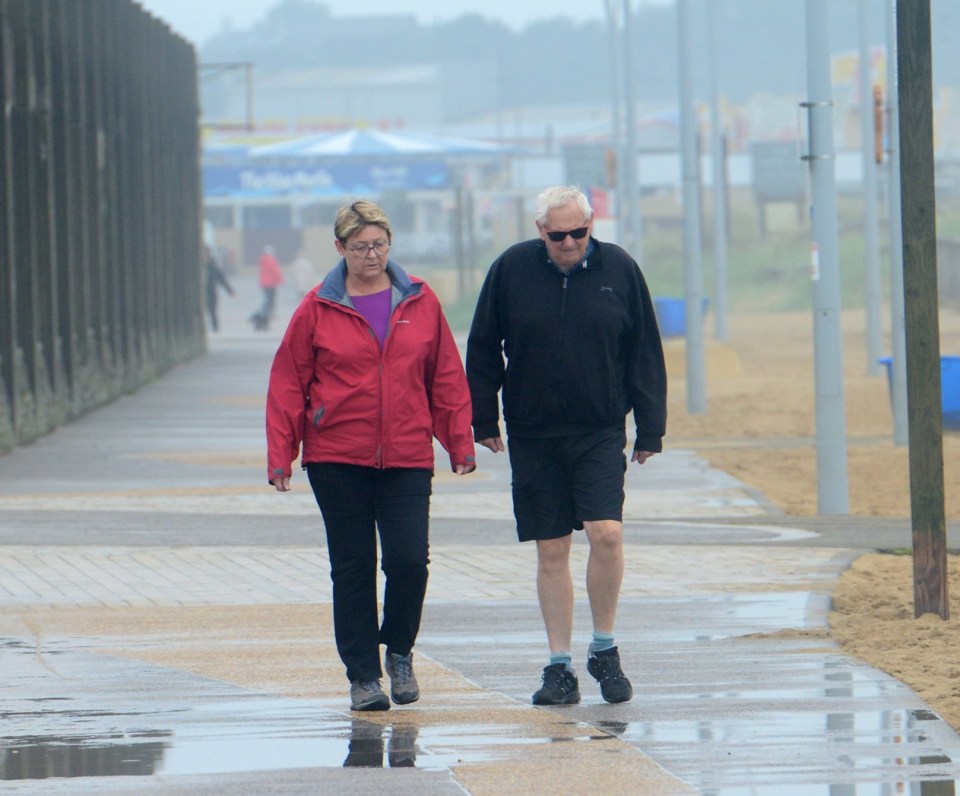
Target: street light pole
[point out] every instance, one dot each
(616, 114)
(632, 187)
(719, 187)
(832, 487)
(898, 367)
(871, 214)
(693, 289)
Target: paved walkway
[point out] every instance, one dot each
(164, 627)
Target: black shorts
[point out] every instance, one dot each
(558, 482)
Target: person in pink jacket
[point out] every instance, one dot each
(367, 374)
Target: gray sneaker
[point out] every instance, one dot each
(403, 682)
(368, 695)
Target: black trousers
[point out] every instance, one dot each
(269, 301)
(212, 312)
(357, 503)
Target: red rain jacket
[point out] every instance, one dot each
(333, 390)
(271, 275)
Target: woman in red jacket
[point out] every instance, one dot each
(366, 376)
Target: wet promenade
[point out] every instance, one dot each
(165, 628)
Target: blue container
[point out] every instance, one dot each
(950, 385)
(672, 315)
(949, 388)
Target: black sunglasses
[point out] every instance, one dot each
(576, 234)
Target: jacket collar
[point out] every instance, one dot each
(590, 259)
(334, 285)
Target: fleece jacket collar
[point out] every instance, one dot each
(582, 264)
(334, 285)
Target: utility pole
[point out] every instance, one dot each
(918, 203)
(693, 291)
(719, 158)
(871, 213)
(832, 486)
(616, 116)
(632, 185)
(898, 366)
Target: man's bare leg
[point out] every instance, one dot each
(555, 591)
(604, 572)
(604, 579)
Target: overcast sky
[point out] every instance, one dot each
(197, 20)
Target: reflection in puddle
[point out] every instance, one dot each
(45, 758)
(896, 749)
(366, 745)
(727, 755)
(251, 735)
(353, 742)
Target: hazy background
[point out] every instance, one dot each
(198, 21)
(539, 80)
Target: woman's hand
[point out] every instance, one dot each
(463, 469)
(281, 484)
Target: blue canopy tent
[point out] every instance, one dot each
(345, 163)
(374, 143)
(291, 185)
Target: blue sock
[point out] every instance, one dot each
(601, 641)
(562, 657)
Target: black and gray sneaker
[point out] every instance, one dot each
(403, 682)
(605, 668)
(560, 686)
(368, 695)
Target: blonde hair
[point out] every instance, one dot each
(357, 215)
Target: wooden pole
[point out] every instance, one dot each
(925, 414)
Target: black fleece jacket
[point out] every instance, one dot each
(582, 349)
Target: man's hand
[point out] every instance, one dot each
(641, 456)
(281, 484)
(493, 443)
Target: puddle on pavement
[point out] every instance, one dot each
(289, 737)
(46, 758)
(913, 788)
(729, 762)
(890, 750)
(733, 615)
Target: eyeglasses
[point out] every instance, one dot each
(576, 234)
(363, 249)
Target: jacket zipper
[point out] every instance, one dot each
(563, 316)
(381, 371)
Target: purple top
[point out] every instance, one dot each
(376, 309)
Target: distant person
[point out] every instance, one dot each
(215, 279)
(271, 277)
(565, 326)
(367, 374)
(303, 275)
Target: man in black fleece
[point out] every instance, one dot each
(565, 327)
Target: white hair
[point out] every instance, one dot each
(558, 196)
